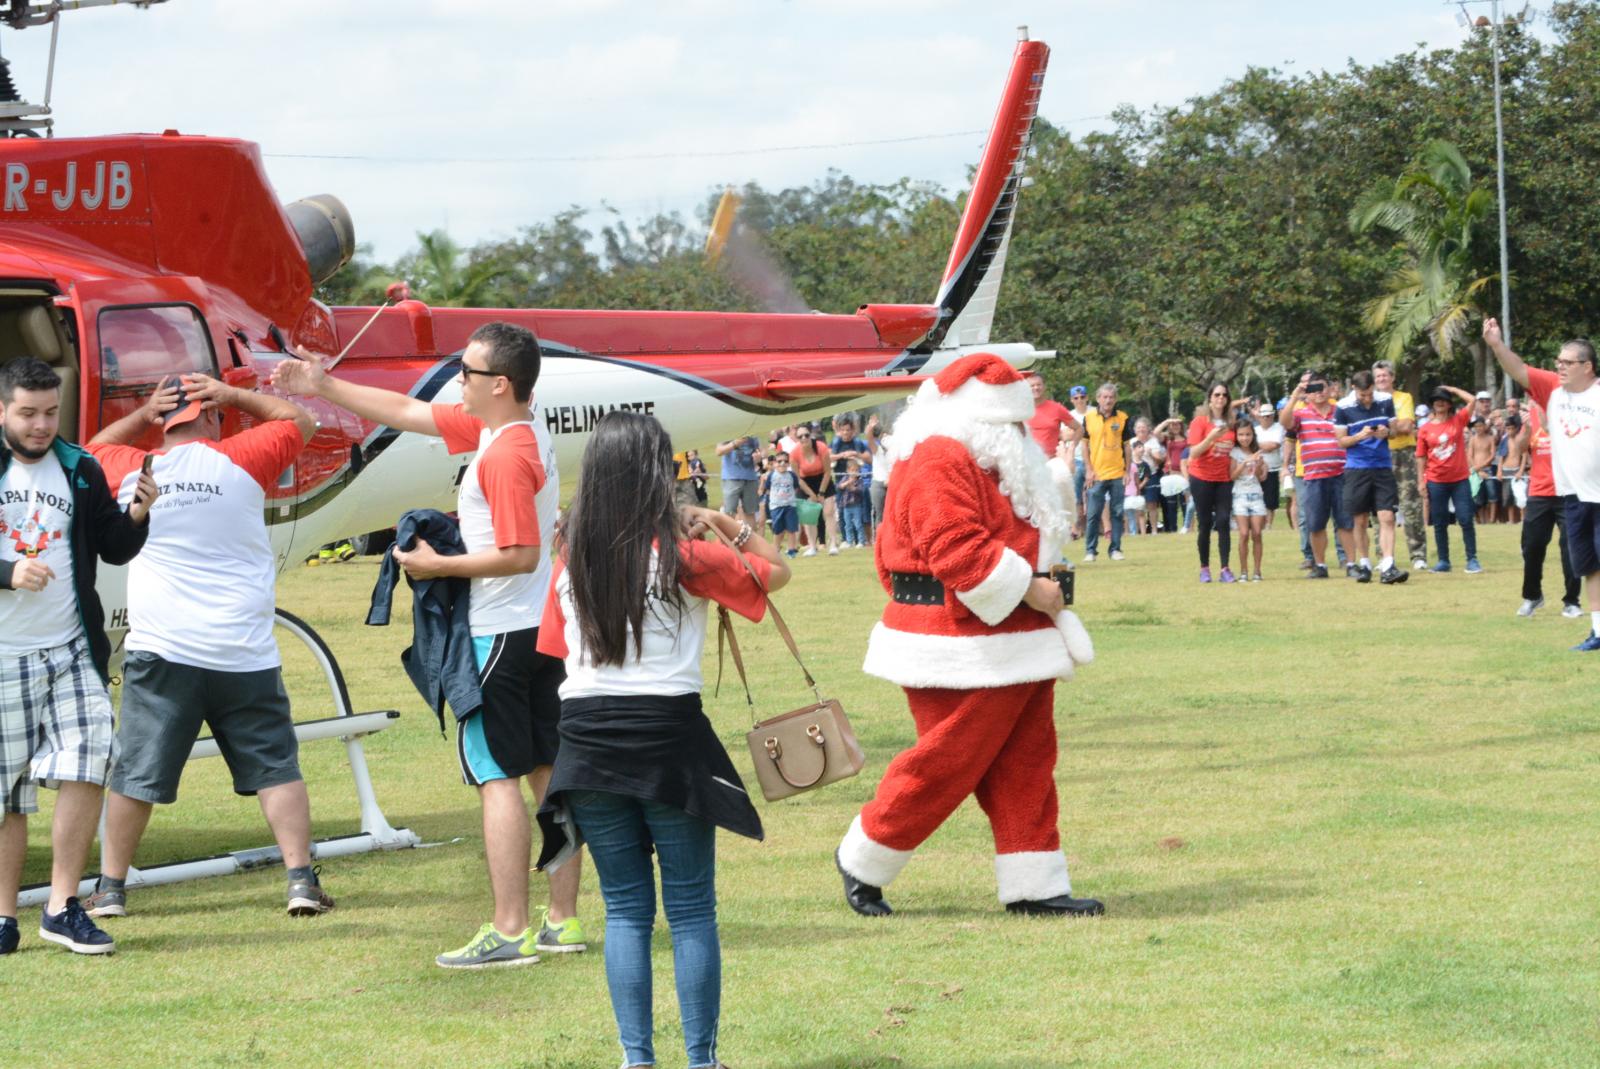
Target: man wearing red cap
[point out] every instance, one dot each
(976, 634)
(200, 617)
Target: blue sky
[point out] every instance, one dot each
(674, 95)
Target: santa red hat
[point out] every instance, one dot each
(985, 387)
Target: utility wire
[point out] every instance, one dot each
(629, 157)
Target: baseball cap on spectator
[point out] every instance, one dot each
(1440, 394)
(1483, 395)
(1078, 391)
(188, 410)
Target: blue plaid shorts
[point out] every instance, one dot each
(56, 723)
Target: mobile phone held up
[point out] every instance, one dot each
(149, 462)
(1063, 576)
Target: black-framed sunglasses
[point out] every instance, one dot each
(465, 371)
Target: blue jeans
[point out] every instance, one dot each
(853, 523)
(619, 832)
(1440, 495)
(1096, 496)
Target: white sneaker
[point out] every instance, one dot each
(1419, 565)
(833, 551)
(1116, 554)
(1088, 558)
(1571, 612)
(1530, 606)
(811, 551)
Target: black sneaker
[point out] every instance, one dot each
(1363, 573)
(1059, 906)
(10, 935)
(1393, 575)
(75, 930)
(1317, 571)
(307, 898)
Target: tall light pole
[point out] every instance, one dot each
(1499, 173)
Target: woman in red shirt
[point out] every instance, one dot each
(1210, 476)
(1442, 468)
(811, 464)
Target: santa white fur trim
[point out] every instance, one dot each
(1003, 448)
(966, 662)
(1001, 590)
(1011, 403)
(868, 861)
(1031, 876)
(1079, 646)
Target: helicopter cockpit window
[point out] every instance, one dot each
(140, 346)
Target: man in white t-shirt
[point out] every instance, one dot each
(507, 506)
(200, 648)
(1571, 399)
(57, 520)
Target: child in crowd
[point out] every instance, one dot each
(852, 505)
(1147, 484)
(1249, 500)
(778, 500)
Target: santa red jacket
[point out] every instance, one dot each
(946, 517)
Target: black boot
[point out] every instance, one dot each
(1059, 906)
(864, 898)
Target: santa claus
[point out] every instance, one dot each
(976, 633)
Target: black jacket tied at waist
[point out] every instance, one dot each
(440, 661)
(657, 748)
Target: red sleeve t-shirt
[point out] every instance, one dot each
(1045, 424)
(1214, 466)
(264, 452)
(813, 467)
(1444, 446)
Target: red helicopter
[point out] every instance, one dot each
(127, 259)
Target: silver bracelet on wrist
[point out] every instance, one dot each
(743, 536)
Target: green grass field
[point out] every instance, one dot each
(1333, 825)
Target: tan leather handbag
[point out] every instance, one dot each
(804, 748)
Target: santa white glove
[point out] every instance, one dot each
(1080, 648)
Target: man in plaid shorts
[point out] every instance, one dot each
(57, 519)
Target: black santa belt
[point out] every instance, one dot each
(913, 588)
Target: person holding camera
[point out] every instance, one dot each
(1363, 426)
(1211, 441)
(739, 476)
(1309, 416)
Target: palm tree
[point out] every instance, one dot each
(446, 276)
(1434, 208)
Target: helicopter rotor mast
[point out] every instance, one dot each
(18, 117)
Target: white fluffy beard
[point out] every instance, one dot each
(1003, 448)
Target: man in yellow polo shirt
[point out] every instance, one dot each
(1403, 443)
(1108, 435)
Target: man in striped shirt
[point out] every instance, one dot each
(1309, 416)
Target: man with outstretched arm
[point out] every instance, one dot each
(200, 648)
(1570, 396)
(507, 505)
(57, 521)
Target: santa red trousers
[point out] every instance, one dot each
(998, 744)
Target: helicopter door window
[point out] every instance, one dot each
(140, 346)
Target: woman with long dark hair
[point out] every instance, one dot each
(1211, 440)
(640, 766)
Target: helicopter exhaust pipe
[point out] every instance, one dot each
(322, 223)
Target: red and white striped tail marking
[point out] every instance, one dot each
(977, 259)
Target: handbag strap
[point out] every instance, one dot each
(725, 626)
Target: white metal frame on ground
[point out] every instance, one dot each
(376, 832)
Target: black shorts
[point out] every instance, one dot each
(815, 482)
(1488, 491)
(1269, 491)
(517, 728)
(1368, 490)
(1582, 521)
(164, 705)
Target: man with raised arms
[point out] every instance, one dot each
(200, 617)
(507, 504)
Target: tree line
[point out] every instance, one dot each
(1281, 222)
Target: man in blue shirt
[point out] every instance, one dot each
(739, 476)
(1362, 427)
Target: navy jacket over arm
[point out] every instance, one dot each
(440, 661)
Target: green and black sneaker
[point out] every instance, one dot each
(564, 937)
(490, 949)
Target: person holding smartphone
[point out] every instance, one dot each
(1211, 440)
(1309, 416)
